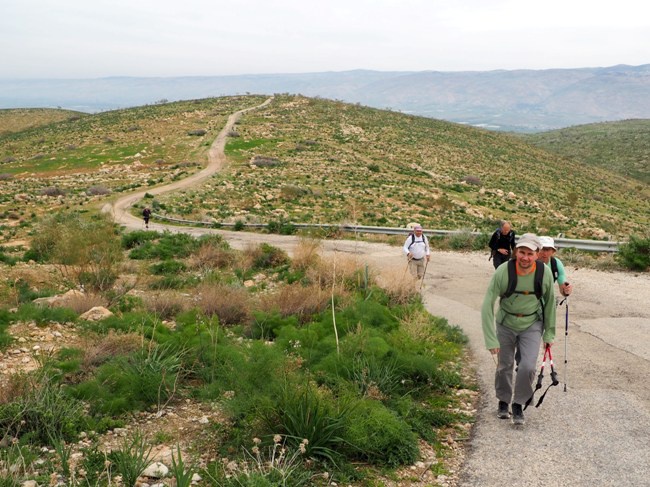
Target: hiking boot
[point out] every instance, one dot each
(517, 414)
(503, 412)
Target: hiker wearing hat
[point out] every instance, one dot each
(417, 252)
(502, 244)
(525, 316)
(547, 255)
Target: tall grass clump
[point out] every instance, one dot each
(131, 459)
(36, 408)
(273, 465)
(308, 414)
(147, 377)
(229, 303)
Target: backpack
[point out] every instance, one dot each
(424, 240)
(512, 280)
(512, 285)
(554, 269)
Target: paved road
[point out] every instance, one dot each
(597, 433)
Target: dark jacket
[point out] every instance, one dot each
(501, 241)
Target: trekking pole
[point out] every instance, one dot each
(540, 377)
(566, 335)
(408, 261)
(554, 380)
(424, 274)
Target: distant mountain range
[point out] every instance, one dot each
(518, 100)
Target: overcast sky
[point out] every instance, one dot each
(99, 38)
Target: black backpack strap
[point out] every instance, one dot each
(512, 279)
(424, 240)
(539, 279)
(554, 269)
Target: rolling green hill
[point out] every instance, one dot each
(313, 160)
(623, 147)
(19, 119)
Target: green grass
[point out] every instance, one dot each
(623, 147)
(368, 393)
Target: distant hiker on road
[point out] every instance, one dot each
(417, 251)
(146, 214)
(502, 244)
(547, 255)
(525, 315)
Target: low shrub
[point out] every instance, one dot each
(40, 410)
(460, 241)
(166, 305)
(52, 191)
(42, 315)
(379, 436)
(308, 414)
(98, 191)
(167, 267)
(295, 300)
(211, 255)
(261, 161)
(80, 303)
(230, 304)
(635, 254)
(131, 240)
(306, 254)
(165, 246)
(132, 382)
(267, 256)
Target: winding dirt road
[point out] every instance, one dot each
(597, 433)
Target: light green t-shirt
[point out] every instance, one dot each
(528, 307)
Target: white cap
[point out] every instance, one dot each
(529, 240)
(547, 243)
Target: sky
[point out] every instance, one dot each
(163, 38)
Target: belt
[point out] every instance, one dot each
(418, 259)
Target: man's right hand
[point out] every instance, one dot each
(494, 351)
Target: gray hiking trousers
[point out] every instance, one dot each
(528, 342)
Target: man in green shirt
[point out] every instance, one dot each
(522, 321)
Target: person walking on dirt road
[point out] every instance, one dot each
(547, 255)
(502, 244)
(417, 252)
(523, 318)
(146, 214)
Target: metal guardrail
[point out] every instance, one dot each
(588, 245)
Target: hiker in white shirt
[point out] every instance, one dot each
(417, 251)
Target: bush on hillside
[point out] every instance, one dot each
(379, 436)
(86, 249)
(635, 254)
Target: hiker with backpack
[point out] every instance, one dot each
(547, 255)
(146, 214)
(502, 244)
(525, 316)
(417, 252)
